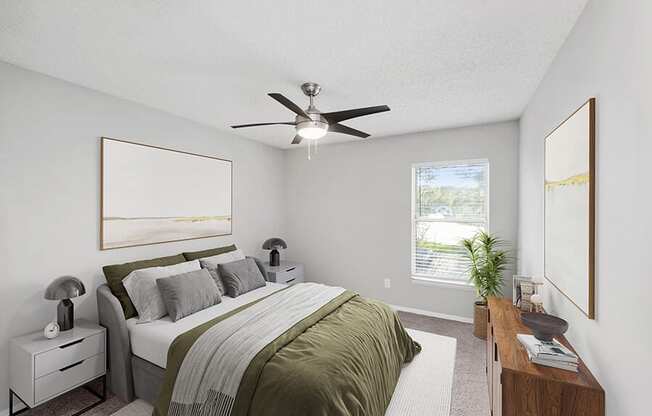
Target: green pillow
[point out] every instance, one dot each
(194, 255)
(115, 273)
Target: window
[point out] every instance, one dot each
(450, 202)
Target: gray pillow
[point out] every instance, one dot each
(187, 293)
(212, 269)
(240, 277)
(210, 264)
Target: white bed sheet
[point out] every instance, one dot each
(151, 341)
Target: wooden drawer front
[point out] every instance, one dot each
(68, 377)
(52, 360)
(291, 275)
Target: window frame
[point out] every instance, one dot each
(428, 279)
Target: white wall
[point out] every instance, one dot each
(49, 191)
(608, 55)
(349, 209)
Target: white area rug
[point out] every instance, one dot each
(426, 384)
(424, 388)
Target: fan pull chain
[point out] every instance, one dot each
(309, 158)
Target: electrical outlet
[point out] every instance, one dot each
(388, 283)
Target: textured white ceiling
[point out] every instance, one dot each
(436, 63)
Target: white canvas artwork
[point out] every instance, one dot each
(568, 210)
(152, 195)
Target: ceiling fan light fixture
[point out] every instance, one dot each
(311, 123)
(312, 129)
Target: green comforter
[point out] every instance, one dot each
(344, 359)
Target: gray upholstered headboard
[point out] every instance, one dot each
(112, 317)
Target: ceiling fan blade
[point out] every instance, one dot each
(288, 104)
(239, 126)
(337, 116)
(341, 128)
(297, 139)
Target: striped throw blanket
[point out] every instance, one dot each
(210, 375)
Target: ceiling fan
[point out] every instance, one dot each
(313, 124)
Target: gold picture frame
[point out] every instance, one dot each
(569, 208)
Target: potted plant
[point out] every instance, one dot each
(487, 261)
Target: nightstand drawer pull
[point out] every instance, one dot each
(71, 343)
(71, 366)
(291, 280)
(290, 269)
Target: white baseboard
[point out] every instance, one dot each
(432, 314)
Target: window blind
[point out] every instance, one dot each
(450, 203)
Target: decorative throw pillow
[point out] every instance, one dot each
(116, 273)
(187, 293)
(240, 277)
(211, 263)
(143, 292)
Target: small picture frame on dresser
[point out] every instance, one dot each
(522, 289)
(288, 272)
(41, 369)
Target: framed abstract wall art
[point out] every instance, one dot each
(154, 195)
(569, 213)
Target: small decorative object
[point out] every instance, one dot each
(527, 290)
(487, 264)
(274, 244)
(536, 303)
(51, 330)
(63, 289)
(524, 287)
(517, 292)
(569, 208)
(544, 327)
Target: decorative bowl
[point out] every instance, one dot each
(544, 327)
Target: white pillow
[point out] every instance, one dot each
(234, 255)
(211, 263)
(143, 291)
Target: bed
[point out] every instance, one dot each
(342, 354)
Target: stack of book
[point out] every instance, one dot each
(551, 354)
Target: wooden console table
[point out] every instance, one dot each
(518, 387)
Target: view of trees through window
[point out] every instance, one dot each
(450, 204)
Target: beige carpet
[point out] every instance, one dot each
(424, 387)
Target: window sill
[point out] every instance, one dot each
(428, 281)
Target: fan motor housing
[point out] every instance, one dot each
(315, 117)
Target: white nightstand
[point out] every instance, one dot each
(41, 369)
(287, 272)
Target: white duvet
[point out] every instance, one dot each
(151, 341)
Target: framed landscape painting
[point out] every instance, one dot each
(569, 198)
(154, 195)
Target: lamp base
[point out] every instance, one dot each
(274, 258)
(66, 315)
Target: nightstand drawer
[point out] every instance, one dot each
(68, 377)
(290, 275)
(73, 352)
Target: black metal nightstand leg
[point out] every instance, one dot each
(100, 396)
(11, 404)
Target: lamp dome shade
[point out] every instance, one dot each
(65, 287)
(274, 243)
